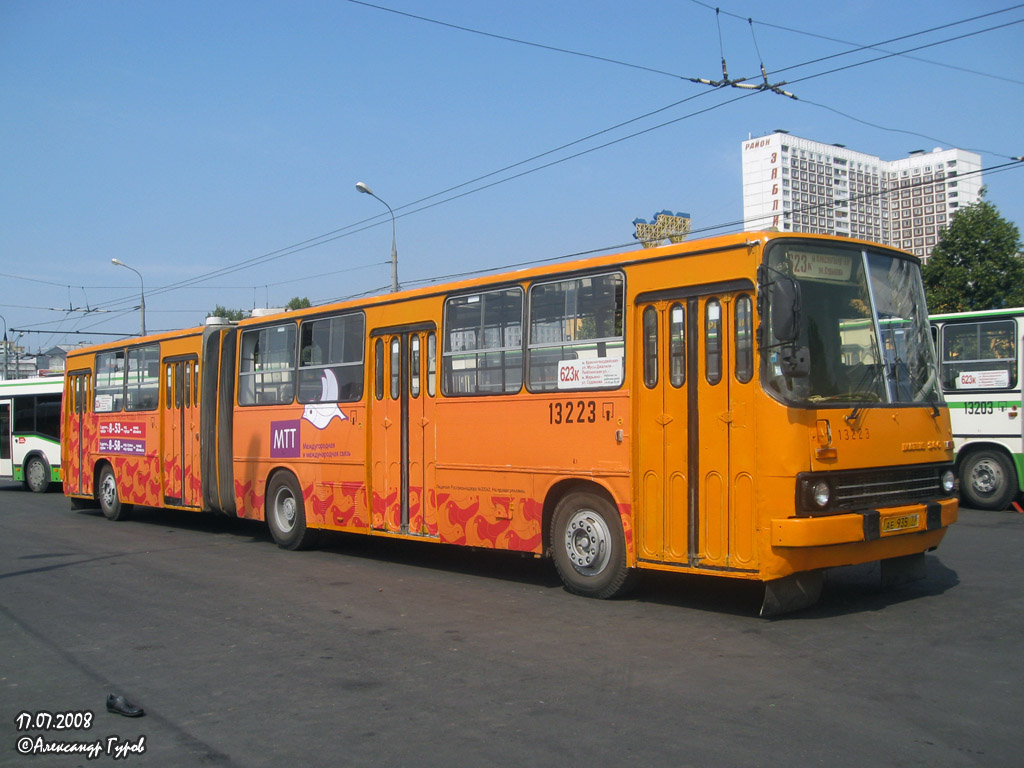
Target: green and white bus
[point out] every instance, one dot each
(980, 368)
(30, 431)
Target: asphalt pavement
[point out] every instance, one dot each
(370, 652)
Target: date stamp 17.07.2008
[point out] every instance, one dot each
(38, 744)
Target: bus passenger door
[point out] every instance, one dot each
(662, 434)
(402, 429)
(723, 530)
(192, 486)
(6, 462)
(694, 388)
(180, 433)
(77, 393)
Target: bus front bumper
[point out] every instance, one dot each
(870, 525)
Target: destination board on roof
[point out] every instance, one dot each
(827, 267)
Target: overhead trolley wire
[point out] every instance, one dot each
(375, 220)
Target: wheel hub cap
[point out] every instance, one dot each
(985, 477)
(587, 542)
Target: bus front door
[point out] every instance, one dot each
(402, 429)
(695, 383)
(180, 433)
(663, 438)
(6, 462)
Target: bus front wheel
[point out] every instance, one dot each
(988, 480)
(110, 501)
(286, 513)
(37, 475)
(588, 546)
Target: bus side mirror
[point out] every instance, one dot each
(795, 361)
(785, 309)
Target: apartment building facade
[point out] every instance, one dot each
(792, 184)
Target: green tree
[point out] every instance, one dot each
(977, 263)
(230, 314)
(297, 303)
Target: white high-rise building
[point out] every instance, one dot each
(792, 184)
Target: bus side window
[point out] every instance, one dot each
(744, 339)
(331, 363)
(143, 385)
(650, 347)
(713, 341)
(110, 381)
(396, 368)
(378, 369)
(483, 343)
(266, 374)
(573, 325)
(677, 345)
(431, 364)
(414, 366)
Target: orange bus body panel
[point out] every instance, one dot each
(153, 452)
(699, 461)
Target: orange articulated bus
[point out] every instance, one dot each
(759, 406)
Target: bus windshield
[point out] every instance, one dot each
(847, 326)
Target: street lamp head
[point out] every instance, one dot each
(142, 295)
(394, 248)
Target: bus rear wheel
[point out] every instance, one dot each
(588, 546)
(107, 495)
(286, 513)
(988, 480)
(37, 475)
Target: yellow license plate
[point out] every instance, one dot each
(899, 523)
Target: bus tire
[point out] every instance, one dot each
(988, 480)
(286, 513)
(588, 546)
(37, 474)
(109, 498)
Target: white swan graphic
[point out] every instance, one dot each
(321, 414)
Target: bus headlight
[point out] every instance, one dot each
(821, 494)
(948, 481)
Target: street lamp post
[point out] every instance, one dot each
(142, 302)
(394, 249)
(17, 356)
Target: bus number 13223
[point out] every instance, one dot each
(572, 412)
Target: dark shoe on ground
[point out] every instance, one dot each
(121, 706)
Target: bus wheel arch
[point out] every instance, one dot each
(285, 512)
(108, 495)
(37, 473)
(586, 539)
(988, 477)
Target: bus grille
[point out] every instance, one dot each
(874, 488)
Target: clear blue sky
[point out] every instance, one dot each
(187, 137)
